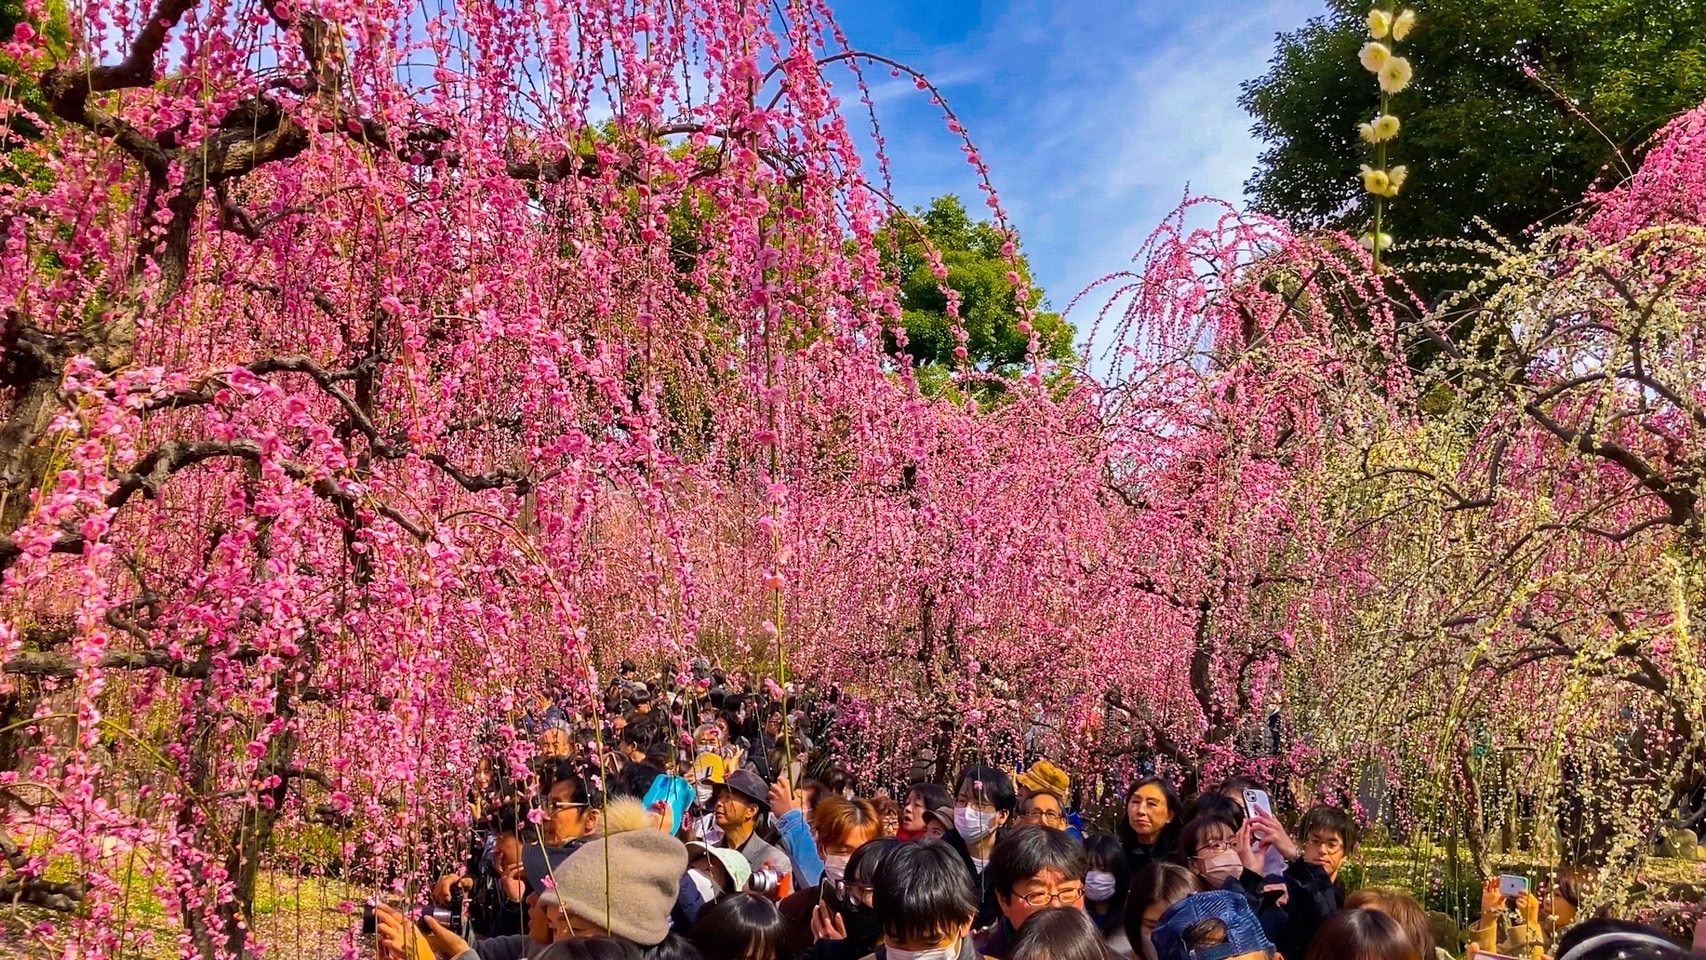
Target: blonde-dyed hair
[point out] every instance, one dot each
(835, 820)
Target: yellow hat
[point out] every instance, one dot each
(709, 766)
(1045, 777)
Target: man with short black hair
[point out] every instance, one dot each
(1312, 888)
(738, 803)
(636, 735)
(1329, 835)
(1032, 868)
(922, 897)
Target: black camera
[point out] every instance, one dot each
(453, 917)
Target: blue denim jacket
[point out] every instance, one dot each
(801, 848)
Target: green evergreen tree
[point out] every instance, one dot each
(971, 250)
(1483, 135)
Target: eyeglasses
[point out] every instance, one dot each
(1069, 895)
(843, 888)
(562, 805)
(1052, 816)
(1215, 846)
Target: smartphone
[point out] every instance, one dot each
(1510, 884)
(1257, 800)
(831, 899)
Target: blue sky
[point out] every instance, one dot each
(1094, 115)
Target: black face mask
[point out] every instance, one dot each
(863, 928)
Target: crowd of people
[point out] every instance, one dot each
(677, 823)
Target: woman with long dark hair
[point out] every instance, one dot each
(1149, 828)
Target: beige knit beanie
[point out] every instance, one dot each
(626, 882)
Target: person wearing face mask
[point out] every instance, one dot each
(924, 904)
(706, 776)
(1226, 856)
(716, 871)
(984, 800)
(1206, 847)
(1105, 885)
(841, 828)
(1310, 890)
(844, 925)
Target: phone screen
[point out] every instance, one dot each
(1510, 884)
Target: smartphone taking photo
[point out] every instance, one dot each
(1256, 801)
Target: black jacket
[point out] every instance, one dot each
(1311, 897)
(988, 910)
(997, 941)
(1138, 854)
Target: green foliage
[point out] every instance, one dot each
(971, 250)
(20, 80)
(1480, 138)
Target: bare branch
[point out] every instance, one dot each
(69, 90)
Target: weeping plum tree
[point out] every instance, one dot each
(352, 383)
(345, 379)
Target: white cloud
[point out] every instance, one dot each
(1095, 115)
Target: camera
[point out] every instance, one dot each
(449, 917)
(765, 882)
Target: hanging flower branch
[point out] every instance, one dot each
(1393, 73)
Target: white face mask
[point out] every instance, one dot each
(973, 825)
(834, 868)
(949, 952)
(705, 790)
(707, 889)
(1099, 886)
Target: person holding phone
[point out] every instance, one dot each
(1510, 922)
(841, 827)
(844, 924)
